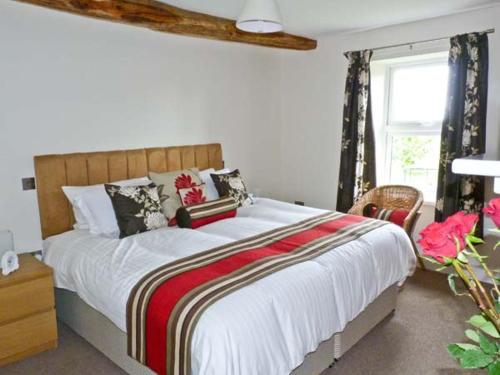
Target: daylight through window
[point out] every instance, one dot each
(409, 103)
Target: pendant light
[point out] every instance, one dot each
(260, 16)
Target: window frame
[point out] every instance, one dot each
(404, 128)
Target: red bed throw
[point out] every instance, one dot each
(164, 307)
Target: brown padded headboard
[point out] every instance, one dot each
(81, 169)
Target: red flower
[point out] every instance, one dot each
(194, 196)
(436, 243)
(439, 240)
(461, 224)
(493, 211)
(184, 181)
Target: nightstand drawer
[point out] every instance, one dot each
(27, 298)
(27, 336)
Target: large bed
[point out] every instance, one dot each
(297, 320)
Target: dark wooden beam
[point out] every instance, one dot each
(159, 16)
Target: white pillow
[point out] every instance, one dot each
(72, 192)
(92, 206)
(210, 190)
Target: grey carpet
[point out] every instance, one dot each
(412, 341)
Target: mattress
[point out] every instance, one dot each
(267, 327)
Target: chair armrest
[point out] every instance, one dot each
(357, 209)
(412, 217)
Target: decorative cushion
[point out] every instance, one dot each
(193, 195)
(397, 216)
(137, 208)
(231, 184)
(201, 214)
(92, 207)
(169, 184)
(210, 190)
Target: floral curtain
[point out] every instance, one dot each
(464, 125)
(357, 164)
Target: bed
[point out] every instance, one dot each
(298, 320)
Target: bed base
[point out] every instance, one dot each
(112, 342)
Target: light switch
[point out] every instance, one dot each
(28, 183)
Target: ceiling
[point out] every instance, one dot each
(314, 17)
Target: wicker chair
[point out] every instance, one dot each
(395, 197)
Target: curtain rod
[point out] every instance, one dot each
(489, 31)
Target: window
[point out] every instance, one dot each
(409, 99)
(418, 93)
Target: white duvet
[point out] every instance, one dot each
(265, 328)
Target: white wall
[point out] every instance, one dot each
(72, 84)
(313, 95)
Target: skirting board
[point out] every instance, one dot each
(112, 342)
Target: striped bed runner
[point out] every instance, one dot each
(165, 305)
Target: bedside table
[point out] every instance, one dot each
(27, 315)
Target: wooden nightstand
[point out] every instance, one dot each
(27, 314)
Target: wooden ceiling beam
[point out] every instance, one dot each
(159, 16)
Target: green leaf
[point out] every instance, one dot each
(475, 359)
(477, 320)
(490, 330)
(494, 368)
(455, 350)
(451, 283)
(448, 261)
(475, 239)
(485, 344)
(462, 258)
(473, 335)
(484, 325)
(466, 346)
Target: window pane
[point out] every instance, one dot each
(414, 161)
(418, 93)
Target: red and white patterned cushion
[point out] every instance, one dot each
(169, 184)
(193, 195)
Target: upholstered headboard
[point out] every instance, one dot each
(81, 169)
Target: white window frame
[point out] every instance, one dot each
(409, 128)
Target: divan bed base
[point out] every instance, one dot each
(112, 342)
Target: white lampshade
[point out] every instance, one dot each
(260, 16)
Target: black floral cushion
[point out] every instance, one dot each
(137, 208)
(232, 185)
